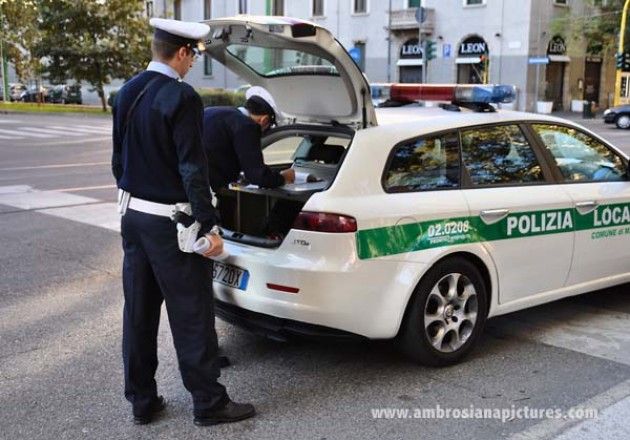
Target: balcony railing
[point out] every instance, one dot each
(406, 19)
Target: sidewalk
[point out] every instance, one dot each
(577, 116)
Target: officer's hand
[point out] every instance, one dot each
(289, 175)
(216, 246)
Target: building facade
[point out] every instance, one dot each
(527, 43)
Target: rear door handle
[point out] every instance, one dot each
(490, 216)
(586, 207)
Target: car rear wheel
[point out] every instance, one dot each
(446, 314)
(623, 121)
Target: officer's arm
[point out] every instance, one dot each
(117, 168)
(192, 160)
(250, 157)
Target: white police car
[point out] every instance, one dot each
(424, 221)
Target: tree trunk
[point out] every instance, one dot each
(101, 94)
(99, 86)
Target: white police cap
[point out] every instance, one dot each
(261, 92)
(187, 31)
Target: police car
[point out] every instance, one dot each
(423, 221)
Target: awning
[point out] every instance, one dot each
(410, 62)
(559, 58)
(468, 60)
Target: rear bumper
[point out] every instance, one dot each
(277, 328)
(336, 293)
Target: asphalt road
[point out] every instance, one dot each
(60, 332)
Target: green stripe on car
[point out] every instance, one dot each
(412, 237)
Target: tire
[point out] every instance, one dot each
(623, 121)
(439, 301)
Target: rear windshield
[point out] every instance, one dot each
(270, 62)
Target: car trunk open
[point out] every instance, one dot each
(308, 72)
(323, 97)
(263, 216)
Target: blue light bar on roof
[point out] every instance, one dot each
(468, 93)
(485, 94)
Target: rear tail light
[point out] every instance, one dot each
(324, 222)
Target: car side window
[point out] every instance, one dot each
(499, 155)
(424, 164)
(580, 157)
(281, 151)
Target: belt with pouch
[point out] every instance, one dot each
(127, 201)
(181, 213)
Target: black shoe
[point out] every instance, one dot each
(224, 362)
(156, 407)
(231, 412)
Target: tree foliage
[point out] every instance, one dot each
(92, 40)
(599, 26)
(18, 28)
(603, 31)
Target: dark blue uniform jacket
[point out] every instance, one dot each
(232, 144)
(161, 158)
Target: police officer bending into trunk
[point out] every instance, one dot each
(160, 167)
(231, 139)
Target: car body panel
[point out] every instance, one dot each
(344, 288)
(362, 282)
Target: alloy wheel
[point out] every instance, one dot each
(450, 312)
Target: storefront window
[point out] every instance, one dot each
(472, 61)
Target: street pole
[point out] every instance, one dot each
(537, 85)
(3, 60)
(622, 35)
(389, 43)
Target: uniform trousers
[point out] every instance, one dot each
(155, 270)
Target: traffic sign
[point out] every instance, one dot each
(538, 60)
(355, 54)
(421, 14)
(447, 50)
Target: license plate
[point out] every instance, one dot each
(231, 276)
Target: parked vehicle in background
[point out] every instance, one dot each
(34, 94)
(620, 116)
(15, 91)
(65, 94)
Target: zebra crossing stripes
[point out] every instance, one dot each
(53, 131)
(49, 131)
(92, 127)
(22, 134)
(74, 128)
(9, 137)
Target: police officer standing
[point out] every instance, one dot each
(160, 167)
